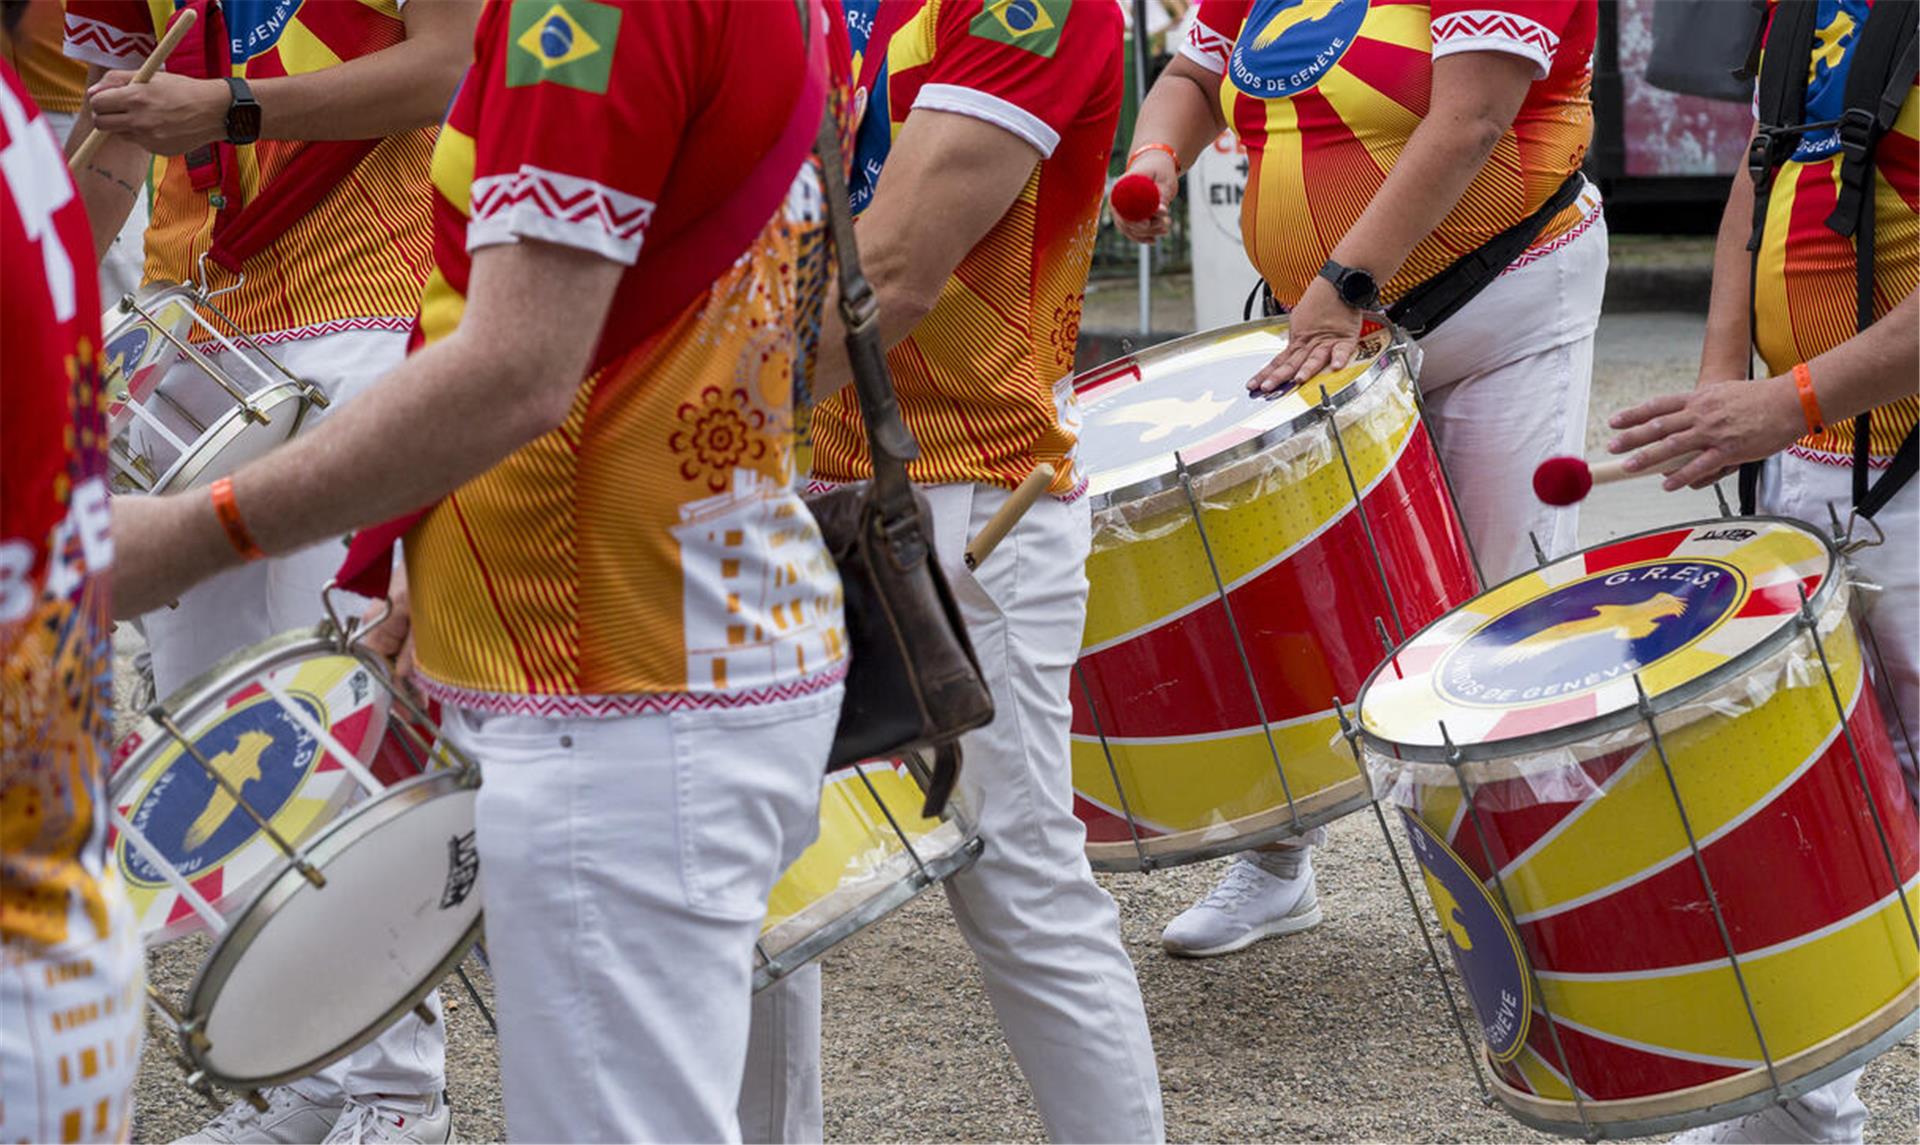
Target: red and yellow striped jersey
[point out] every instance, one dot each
(56, 654)
(55, 82)
(1805, 291)
(651, 553)
(984, 380)
(359, 258)
(1326, 93)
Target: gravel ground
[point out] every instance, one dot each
(1336, 1034)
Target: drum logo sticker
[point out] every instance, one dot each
(1287, 46)
(123, 357)
(1591, 632)
(1486, 949)
(193, 821)
(463, 870)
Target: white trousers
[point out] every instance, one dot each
(1045, 935)
(121, 267)
(1792, 486)
(246, 605)
(628, 863)
(73, 1019)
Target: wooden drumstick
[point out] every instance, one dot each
(1002, 522)
(175, 33)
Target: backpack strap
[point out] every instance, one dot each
(1885, 57)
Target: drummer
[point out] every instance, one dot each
(977, 181)
(332, 296)
(1394, 146)
(69, 953)
(605, 436)
(1795, 311)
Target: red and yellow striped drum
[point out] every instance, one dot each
(875, 852)
(1252, 560)
(1661, 824)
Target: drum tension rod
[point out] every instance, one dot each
(158, 714)
(206, 367)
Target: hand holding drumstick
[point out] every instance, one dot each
(175, 33)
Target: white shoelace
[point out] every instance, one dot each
(356, 1121)
(1242, 882)
(240, 1114)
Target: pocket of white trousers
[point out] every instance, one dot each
(748, 785)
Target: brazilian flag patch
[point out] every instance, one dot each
(568, 42)
(1030, 25)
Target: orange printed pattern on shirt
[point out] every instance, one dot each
(1805, 291)
(652, 553)
(1324, 94)
(360, 257)
(983, 380)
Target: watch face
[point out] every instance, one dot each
(1357, 288)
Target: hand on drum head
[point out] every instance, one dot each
(1323, 334)
(1727, 422)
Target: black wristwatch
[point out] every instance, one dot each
(243, 115)
(1355, 287)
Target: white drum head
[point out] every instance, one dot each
(308, 974)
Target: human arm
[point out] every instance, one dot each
(908, 261)
(1727, 349)
(383, 93)
(1732, 424)
(518, 353)
(1476, 96)
(1181, 111)
(109, 182)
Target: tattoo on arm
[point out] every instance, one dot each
(103, 173)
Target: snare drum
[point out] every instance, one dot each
(1252, 560)
(874, 854)
(227, 816)
(177, 417)
(1661, 824)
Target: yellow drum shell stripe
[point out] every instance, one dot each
(1725, 767)
(1189, 783)
(1805, 990)
(856, 844)
(1147, 564)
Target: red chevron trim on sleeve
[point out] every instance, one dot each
(1482, 30)
(104, 45)
(1208, 48)
(551, 206)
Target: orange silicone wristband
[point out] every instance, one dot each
(1809, 401)
(224, 507)
(1146, 147)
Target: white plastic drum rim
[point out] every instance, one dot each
(285, 399)
(144, 746)
(1389, 361)
(1585, 730)
(290, 887)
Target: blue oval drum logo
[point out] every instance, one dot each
(1286, 46)
(123, 354)
(195, 824)
(1485, 947)
(1590, 633)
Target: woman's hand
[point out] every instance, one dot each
(168, 115)
(1158, 166)
(1727, 422)
(1323, 334)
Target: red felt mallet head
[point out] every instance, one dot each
(1562, 480)
(1135, 198)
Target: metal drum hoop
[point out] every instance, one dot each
(227, 428)
(1678, 696)
(336, 838)
(1398, 345)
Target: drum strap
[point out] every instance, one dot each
(1421, 310)
(1878, 81)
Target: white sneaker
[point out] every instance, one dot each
(1247, 905)
(291, 1119)
(383, 1118)
(1774, 1125)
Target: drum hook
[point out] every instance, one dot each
(206, 291)
(350, 632)
(1843, 538)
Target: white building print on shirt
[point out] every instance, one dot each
(760, 597)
